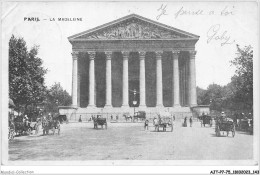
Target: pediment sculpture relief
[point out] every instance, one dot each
(134, 29)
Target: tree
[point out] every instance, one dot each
(57, 97)
(201, 98)
(26, 75)
(214, 96)
(242, 81)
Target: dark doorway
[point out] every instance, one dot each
(117, 76)
(133, 76)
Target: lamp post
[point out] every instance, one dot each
(134, 101)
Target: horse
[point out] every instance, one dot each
(127, 116)
(22, 127)
(55, 124)
(46, 125)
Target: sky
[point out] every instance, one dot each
(220, 25)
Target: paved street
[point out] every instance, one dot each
(128, 141)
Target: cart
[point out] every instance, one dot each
(100, 121)
(164, 120)
(226, 125)
(205, 120)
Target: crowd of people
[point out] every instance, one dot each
(22, 124)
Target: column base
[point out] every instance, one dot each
(159, 106)
(125, 108)
(91, 106)
(108, 106)
(177, 106)
(192, 105)
(142, 106)
(74, 106)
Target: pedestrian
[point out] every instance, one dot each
(156, 124)
(191, 121)
(80, 120)
(185, 122)
(146, 124)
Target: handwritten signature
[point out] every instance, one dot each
(162, 10)
(214, 33)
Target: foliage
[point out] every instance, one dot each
(57, 97)
(26, 74)
(237, 95)
(242, 81)
(213, 96)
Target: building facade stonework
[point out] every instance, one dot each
(133, 59)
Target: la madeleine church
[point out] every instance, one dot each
(133, 63)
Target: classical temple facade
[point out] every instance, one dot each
(133, 62)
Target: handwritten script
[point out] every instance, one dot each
(162, 11)
(215, 33)
(226, 11)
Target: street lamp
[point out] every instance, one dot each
(134, 101)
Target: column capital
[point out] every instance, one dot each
(193, 53)
(159, 54)
(142, 54)
(125, 54)
(91, 55)
(175, 52)
(108, 55)
(75, 55)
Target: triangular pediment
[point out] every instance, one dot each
(133, 27)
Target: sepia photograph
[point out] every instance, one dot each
(130, 84)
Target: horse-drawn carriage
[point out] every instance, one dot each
(243, 125)
(139, 115)
(226, 125)
(23, 127)
(205, 120)
(99, 121)
(62, 118)
(50, 123)
(164, 120)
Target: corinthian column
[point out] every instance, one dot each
(125, 79)
(108, 80)
(91, 79)
(142, 79)
(176, 80)
(159, 88)
(75, 78)
(193, 93)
